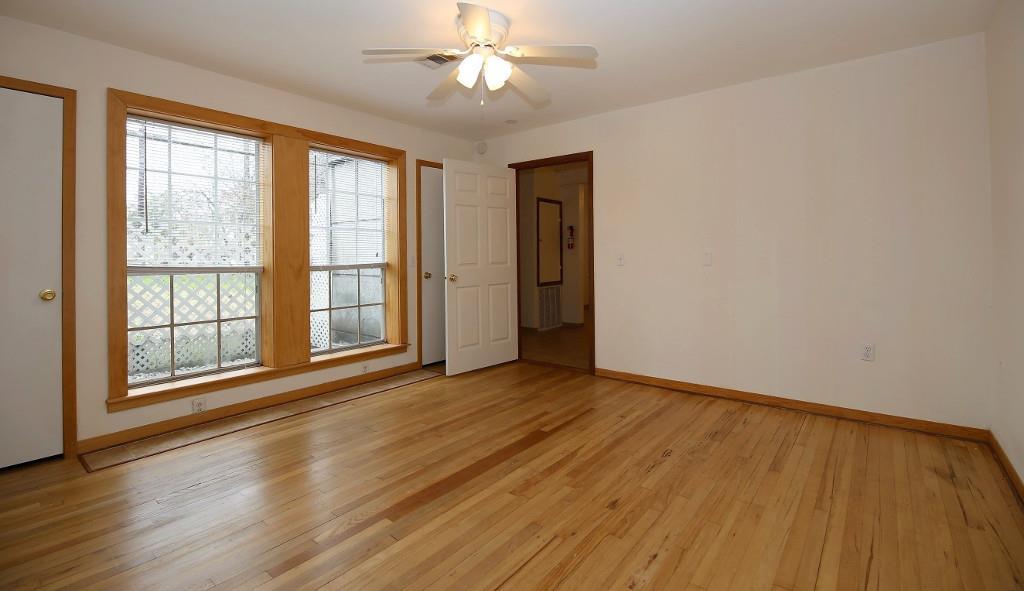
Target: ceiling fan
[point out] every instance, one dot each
(485, 33)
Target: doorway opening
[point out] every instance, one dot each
(554, 198)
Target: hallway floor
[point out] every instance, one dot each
(566, 345)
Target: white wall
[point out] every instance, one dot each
(842, 205)
(1006, 106)
(53, 57)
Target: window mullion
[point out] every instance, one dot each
(218, 322)
(143, 184)
(359, 300)
(171, 329)
(170, 180)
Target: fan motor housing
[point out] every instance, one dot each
(499, 31)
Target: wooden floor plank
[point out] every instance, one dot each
(525, 477)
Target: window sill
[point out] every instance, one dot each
(210, 383)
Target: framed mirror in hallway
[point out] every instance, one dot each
(554, 199)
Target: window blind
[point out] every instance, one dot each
(346, 209)
(346, 250)
(193, 196)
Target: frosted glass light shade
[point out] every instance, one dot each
(496, 72)
(469, 70)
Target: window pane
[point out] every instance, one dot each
(343, 288)
(319, 331)
(370, 246)
(371, 324)
(149, 300)
(344, 244)
(319, 246)
(191, 242)
(237, 295)
(319, 291)
(193, 196)
(195, 348)
(195, 298)
(234, 205)
(156, 152)
(344, 327)
(371, 286)
(234, 165)
(346, 208)
(149, 354)
(238, 342)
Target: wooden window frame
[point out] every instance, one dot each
(284, 282)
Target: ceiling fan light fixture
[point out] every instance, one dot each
(469, 69)
(484, 33)
(496, 72)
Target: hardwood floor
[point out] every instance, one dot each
(566, 345)
(525, 477)
(164, 442)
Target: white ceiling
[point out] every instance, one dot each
(649, 50)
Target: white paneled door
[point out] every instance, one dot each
(30, 259)
(480, 259)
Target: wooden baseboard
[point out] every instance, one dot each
(1011, 473)
(945, 429)
(143, 431)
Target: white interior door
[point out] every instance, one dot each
(432, 262)
(480, 261)
(30, 241)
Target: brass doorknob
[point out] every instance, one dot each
(453, 277)
(427, 275)
(47, 295)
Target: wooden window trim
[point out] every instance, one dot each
(284, 311)
(212, 382)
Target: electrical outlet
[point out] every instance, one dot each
(621, 261)
(198, 405)
(366, 368)
(867, 352)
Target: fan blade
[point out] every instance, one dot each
(406, 51)
(477, 21)
(576, 52)
(446, 88)
(532, 89)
